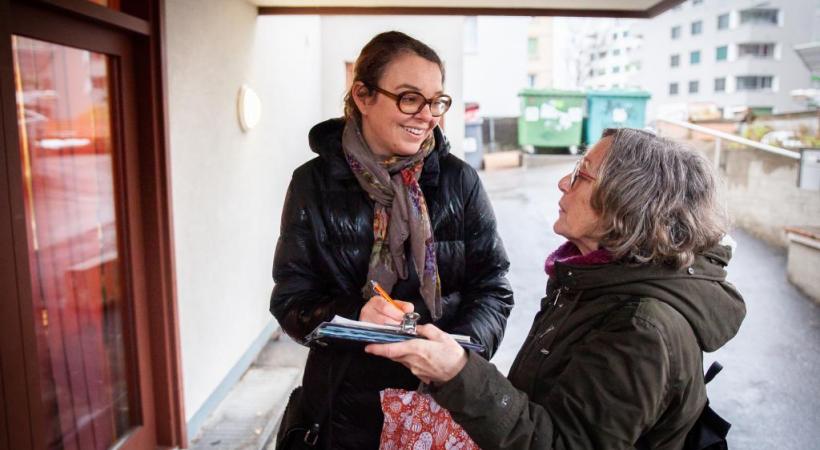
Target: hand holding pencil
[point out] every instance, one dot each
(383, 309)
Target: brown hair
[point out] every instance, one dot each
(376, 55)
(658, 200)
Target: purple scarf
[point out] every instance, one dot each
(568, 253)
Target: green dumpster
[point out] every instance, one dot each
(614, 109)
(550, 118)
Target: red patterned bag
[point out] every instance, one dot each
(414, 421)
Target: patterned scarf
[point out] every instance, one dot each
(399, 214)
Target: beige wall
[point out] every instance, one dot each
(229, 186)
(761, 192)
(541, 64)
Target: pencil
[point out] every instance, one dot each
(384, 294)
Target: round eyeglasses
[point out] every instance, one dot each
(579, 172)
(412, 102)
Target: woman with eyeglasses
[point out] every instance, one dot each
(385, 201)
(614, 357)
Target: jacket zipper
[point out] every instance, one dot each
(552, 307)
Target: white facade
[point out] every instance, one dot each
(229, 186)
(726, 54)
(495, 63)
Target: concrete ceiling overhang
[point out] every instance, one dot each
(575, 8)
(810, 54)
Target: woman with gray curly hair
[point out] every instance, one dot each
(614, 357)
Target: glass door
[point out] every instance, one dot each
(89, 349)
(67, 145)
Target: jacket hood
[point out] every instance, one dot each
(700, 292)
(325, 139)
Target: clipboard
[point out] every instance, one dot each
(341, 332)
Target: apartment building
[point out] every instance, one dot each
(730, 55)
(610, 56)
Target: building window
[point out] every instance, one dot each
(591, 73)
(674, 61)
(616, 52)
(531, 80)
(696, 2)
(697, 27)
(673, 88)
(614, 36)
(756, 50)
(616, 69)
(693, 87)
(600, 72)
(720, 84)
(675, 32)
(721, 53)
(767, 16)
(694, 57)
(592, 56)
(601, 55)
(532, 47)
(723, 22)
(626, 33)
(753, 82)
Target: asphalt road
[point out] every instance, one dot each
(770, 386)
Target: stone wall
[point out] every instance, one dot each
(761, 191)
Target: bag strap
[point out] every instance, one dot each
(713, 370)
(312, 434)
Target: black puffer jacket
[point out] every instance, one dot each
(321, 265)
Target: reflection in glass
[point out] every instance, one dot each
(113, 4)
(65, 134)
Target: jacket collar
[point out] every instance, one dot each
(699, 292)
(708, 265)
(325, 139)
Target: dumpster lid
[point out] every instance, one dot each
(549, 93)
(619, 93)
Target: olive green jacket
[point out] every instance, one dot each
(614, 355)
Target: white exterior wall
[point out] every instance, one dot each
(344, 36)
(497, 70)
(229, 186)
(796, 20)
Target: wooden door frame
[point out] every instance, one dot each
(145, 180)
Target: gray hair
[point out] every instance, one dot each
(657, 200)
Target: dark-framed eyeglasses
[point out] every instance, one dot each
(578, 172)
(412, 102)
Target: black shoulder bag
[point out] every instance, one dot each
(297, 432)
(710, 430)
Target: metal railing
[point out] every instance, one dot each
(720, 136)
